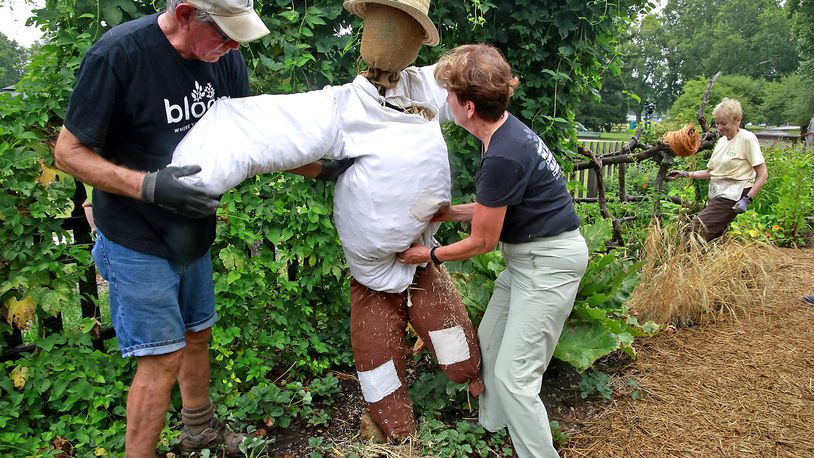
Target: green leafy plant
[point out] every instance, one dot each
(633, 386)
(559, 436)
(70, 398)
(596, 383)
(433, 394)
(600, 323)
(464, 439)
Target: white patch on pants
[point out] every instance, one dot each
(379, 382)
(450, 345)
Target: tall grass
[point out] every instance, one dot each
(689, 282)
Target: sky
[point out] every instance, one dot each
(13, 14)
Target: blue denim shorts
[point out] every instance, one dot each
(153, 301)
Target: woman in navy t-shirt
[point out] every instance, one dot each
(521, 202)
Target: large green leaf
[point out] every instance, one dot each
(583, 343)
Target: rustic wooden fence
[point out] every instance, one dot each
(589, 191)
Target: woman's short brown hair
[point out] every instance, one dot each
(479, 74)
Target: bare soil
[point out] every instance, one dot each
(736, 387)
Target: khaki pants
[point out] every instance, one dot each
(519, 332)
(378, 321)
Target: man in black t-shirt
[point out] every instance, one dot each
(139, 89)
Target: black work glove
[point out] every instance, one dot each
(332, 169)
(741, 205)
(165, 190)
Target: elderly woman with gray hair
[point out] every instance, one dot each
(736, 172)
(520, 201)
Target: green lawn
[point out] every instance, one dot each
(621, 136)
(624, 136)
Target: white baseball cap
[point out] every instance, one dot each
(236, 18)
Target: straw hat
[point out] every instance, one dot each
(418, 9)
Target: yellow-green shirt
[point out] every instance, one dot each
(736, 159)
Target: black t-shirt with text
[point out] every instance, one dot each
(518, 171)
(135, 99)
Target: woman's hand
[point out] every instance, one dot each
(673, 174)
(416, 254)
(443, 214)
(461, 212)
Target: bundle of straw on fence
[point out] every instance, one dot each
(687, 282)
(684, 142)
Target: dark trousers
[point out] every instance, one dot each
(715, 218)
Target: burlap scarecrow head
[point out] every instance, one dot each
(393, 33)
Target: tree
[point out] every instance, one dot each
(692, 38)
(645, 71)
(802, 12)
(601, 109)
(788, 101)
(747, 91)
(13, 59)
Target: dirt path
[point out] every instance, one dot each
(740, 388)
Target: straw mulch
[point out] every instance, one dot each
(739, 386)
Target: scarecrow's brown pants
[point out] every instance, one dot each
(378, 321)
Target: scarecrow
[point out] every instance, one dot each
(388, 120)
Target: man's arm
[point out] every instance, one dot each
(162, 188)
(308, 170)
(74, 157)
(325, 170)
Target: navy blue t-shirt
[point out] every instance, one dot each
(135, 99)
(518, 171)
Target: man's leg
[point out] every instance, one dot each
(197, 304)
(148, 400)
(144, 310)
(193, 377)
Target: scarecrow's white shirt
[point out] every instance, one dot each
(383, 203)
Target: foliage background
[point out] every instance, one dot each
(280, 277)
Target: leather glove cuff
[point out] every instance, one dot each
(331, 170)
(148, 187)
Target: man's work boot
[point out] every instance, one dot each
(216, 438)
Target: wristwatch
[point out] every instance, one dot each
(434, 258)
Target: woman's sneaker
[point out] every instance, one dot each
(215, 438)
(809, 299)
